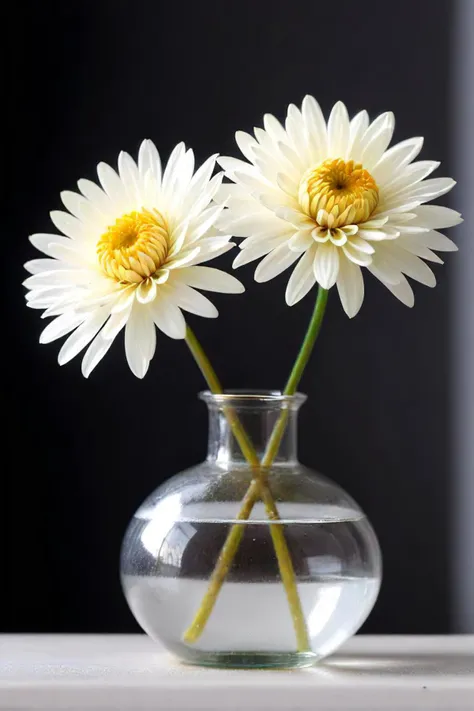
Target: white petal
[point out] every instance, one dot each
(148, 335)
(169, 174)
(205, 222)
(358, 243)
(358, 127)
(436, 240)
(408, 263)
(136, 348)
(200, 200)
(129, 175)
(302, 279)
(149, 195)
(398, 204)
(57, 277)
(378, 131)
(183, 173)
(112, 185)
(208, 251)
(168, 318)
(338, 131)
(200, 180)
(184, 257)
(276, 262)
(287, 184)
(316, 127)
(36, 266)
(125, 299)
(247, 225)
(191, 300)
(69, 225)
(61, 325)
(350, 286)
(356, 256)
(402, 291)
(149, 160)
(246, 143)
(385, 271)
(253, 183)
(396, 158)
(410, 175)
(73, 202)
(301, 241)
(83, 335)
(427, 190)
(274, 128)
(209, 279)
(291, 156)
(38, 303)
(94, 354)
(146, 291)
(256, 250)
(295, 129)
(374, 224)
(71, 255)
(235, 165)
(115, 323)
(339, 236)
(374, 150)
(326, 264)
(436, 216)
(419, 249)
(96, 196)
(43, 241)
(65, 299)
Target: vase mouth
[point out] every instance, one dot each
(253, 397)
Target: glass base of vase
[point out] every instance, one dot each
(251, 660)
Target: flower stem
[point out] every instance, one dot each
(215, 387)
(259, 489)
(297, 373)
(255, 492)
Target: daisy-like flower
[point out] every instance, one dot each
(332, 198)
(128, 256)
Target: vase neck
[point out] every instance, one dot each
(258, 414)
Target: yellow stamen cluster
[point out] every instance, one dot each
(135, 247)
(343, 191)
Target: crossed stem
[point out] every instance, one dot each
(259, 488)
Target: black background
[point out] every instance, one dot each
(87, 79)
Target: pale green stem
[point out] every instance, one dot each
(255, 492)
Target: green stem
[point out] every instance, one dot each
(215, 387)
(308, 343)
(296, 374)
(259, 489)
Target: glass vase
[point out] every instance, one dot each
(237, 564)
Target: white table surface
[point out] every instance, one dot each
(130, 672)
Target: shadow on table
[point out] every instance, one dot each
(435, 664)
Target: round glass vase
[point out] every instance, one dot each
(232, 564)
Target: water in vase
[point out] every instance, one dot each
(167, 577)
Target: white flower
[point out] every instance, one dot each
(334, 199)
(127, 257)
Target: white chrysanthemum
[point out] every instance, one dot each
(127, 257)
(332, 197)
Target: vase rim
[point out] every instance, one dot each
(252, 396)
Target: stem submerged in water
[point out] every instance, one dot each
(259, 490)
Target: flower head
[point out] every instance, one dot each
(332, 198)
(128, 257)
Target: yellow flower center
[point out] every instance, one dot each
(342, 191)
(135, 247)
